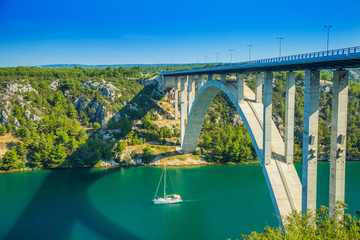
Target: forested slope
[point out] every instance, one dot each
(51, 111)
(77, 117)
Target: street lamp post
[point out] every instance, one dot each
(328, 33)
(249, 51)
(231, 50)
(172, 62)
(280, 38)
(217, 58)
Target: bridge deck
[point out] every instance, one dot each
(332, 59)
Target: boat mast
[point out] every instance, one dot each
(165, 181)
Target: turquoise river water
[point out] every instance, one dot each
(220, 202)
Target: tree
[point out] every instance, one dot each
(120, 148)
(3, 130)
(96, 157)
(21, 151)
(148, 155)
(312, 225)
(10, 161)
(96, 125)
(107, 153)
(72, 113)
(146, 122)
(56, 157)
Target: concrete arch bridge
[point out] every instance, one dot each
(255, 108)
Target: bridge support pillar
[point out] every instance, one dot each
(176, 97)
(289, 117)
(191, 92)
(258, 87)
(310, 140)
(210, 77)
(338, 138)
(223, 78)
(240, 87)
(200, 82)
(267, 117)
(183, 107)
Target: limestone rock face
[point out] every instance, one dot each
(110, 90)
(17, 124)
(106, 89)
(5, 114)
(97, 112)
(54, 85)
(17, 87)
(34, 115)
(27, 113)
(100, 115)
(237, 119)
(4, 117)
(91, 85)
(95, 106)
(36, 118)
(80, 103)
(105, 135)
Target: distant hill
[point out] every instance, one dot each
(110, 65)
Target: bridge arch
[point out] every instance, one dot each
(199, 109)
(281, 178)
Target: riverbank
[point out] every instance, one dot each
(175, 162)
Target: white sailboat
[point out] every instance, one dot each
(166, 199)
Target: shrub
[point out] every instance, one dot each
(96, 125)
(312, 225)
(148, 155)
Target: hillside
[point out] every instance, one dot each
(56, 118)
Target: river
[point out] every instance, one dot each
(219, 202)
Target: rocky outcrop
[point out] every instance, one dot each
(133, 107)
(54, 85)
(5, 114)
(35, 115)
(27, 113)
(99, 114)
(237, 119)
(80, 103)
(91, 84)
(17, 124)
(17, 87)
(106, 89)
(106, 135)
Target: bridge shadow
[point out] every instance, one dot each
(62, 201)
(278, 157)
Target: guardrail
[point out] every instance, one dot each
(321, 54)
(335, 52)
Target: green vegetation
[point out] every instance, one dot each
(77, 117)
(222, 139)
(66, 101)
(148, 155)
(314, 226)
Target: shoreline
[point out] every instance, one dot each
(143, 165)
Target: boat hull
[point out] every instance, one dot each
(166, 201)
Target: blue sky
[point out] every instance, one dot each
(138, 31)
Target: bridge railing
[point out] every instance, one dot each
(321, 54)
(335, 52)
